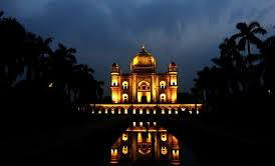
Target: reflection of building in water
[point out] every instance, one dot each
(145, 141)
(144, 93)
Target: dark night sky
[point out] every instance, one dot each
(185, 31)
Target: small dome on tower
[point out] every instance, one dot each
(115, 64)
(172, 67)
(115, 68)
(173, 64)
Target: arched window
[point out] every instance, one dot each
(173, 83)
(143, 86)
(125, 85)
(162, 84)
(163, 97)
(163, 150)
(114, 84)
(125, 98)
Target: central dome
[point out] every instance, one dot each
(143, 61)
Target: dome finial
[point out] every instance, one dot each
(143, 46)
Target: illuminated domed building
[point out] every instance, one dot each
(144, 84)
(140, 94)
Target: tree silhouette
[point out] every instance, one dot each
(248, 34)
(33, 73)
(236, 76)
(268, 61)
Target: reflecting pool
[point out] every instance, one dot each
(145, 141)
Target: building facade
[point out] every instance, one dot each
(143, 84)
(148, 97)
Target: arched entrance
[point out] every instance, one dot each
(143, 99)
(144, 92)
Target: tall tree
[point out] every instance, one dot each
(247, 35)
(35, 49)
(12, 35)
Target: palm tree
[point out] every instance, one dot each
(60, 64)
(247, 35)
(36, 48)
(11, 47)
(232, 64)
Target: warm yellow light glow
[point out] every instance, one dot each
(125, 97)
(154, 112)
(119, 111)
(140, 111)
(114, 153)
(163, 137)
(145, 130)
(99, 112)
(147, 111)
(115, 97)
(175, 154)
(144, 60)
(149, 137)
(114, 80)
(164, 150)
(124, 137)
(142, 94)
(162, 84)
(106, 111)
(155, 123)
(113, 111)
(134, 111)
(134, 124)
(162, 111)
(125, 149)
(125, 111)
(141, 124)
(174, 97)
(169, 112)
(173, 80)
(176, 112)
(139, 140)
(125, 85)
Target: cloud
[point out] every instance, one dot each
(185, 31)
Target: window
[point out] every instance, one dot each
(163, 97)
(164, 150)
(162, 84)
(125, 85)
(125, 98)
(114, 84)
(144, 86)
(173, 82)
(163, 137)
(125, 149)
